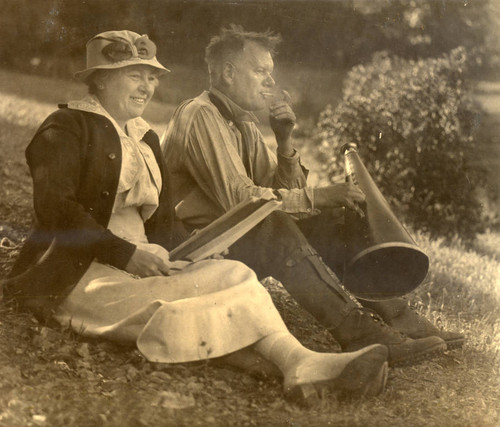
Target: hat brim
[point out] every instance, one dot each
(153, 62)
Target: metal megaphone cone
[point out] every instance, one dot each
(382, 260)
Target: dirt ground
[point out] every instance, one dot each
(50, 377)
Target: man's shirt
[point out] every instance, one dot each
(217, 158)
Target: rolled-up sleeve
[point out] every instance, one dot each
(290, 173)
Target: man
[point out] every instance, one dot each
(218, 158)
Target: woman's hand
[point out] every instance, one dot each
(146, 264)
(338, 195)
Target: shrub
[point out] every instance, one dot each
(413, 122)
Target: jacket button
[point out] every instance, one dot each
(105, 194)
(111, 156)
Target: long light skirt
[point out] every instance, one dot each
(209, 309)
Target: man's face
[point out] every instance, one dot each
(252, 82)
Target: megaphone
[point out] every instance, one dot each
(382, 259)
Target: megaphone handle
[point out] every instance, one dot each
(350, 178)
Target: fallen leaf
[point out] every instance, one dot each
(172, 400)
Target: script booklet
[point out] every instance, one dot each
(224, 231)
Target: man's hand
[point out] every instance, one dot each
(337, 195)
(146, 264)
(282, 120)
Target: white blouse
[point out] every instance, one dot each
(140, 178)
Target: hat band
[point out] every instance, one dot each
(119, 50)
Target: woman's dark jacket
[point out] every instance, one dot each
(75, 160)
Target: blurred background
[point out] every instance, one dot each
(352, 67)
(322, 39)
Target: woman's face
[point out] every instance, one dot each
(126, 91)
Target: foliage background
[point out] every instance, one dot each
(323, 41)
(48, 36)
(413, 123)
(338, 33)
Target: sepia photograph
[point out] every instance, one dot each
(250, 213)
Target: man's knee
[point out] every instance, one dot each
(326, 233)
(269, 243)
(329, 222)
(280, 227)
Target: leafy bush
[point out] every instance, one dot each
(413, 122)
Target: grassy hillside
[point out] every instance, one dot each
(51, 377)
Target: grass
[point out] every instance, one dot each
(50, 377)
(462, 290)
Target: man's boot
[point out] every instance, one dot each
(363, 327)
(328, 236)
(400, 316)
(353, 326)
(277, 248)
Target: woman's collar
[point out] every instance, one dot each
(136, 128)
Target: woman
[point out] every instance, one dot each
(97, 260)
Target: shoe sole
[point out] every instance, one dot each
(377, 386)
(309, 393)
(429, 353)
(451, 343)
(454, 344)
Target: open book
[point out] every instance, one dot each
(224, 231)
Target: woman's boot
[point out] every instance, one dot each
(308, 375)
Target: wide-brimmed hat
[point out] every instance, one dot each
(118, 49)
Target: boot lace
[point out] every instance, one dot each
(377, 319)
